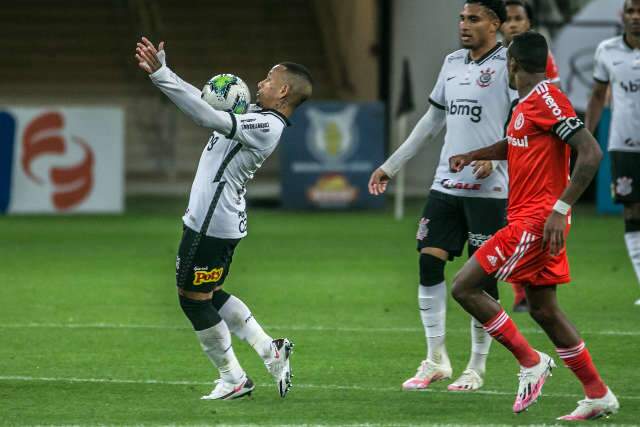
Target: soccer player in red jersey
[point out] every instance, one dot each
(519, 20)
(530, 250)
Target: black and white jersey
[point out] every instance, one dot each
(477, 100)
(227, 162)
(618, 64)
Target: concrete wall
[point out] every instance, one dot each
(424, 31)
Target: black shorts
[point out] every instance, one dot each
(203, 262)
(449, 221)
(625, 177)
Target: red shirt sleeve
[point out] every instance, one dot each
(553, 112)
(552, 69)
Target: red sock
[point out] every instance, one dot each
(518, 292)
(579, 361)
(502, 328)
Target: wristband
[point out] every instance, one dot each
(561, 207)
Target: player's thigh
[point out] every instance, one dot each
(625, 177)
(442, 225)
(485, 217)
(203, 262)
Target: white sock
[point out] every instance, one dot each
(216, 343)
(480, 344)
(432, 301)
(633, 247)
(242, 324)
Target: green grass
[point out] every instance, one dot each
(91, 333)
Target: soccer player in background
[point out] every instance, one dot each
(530, 250)
(616, 66)
(520, 20)
(216, 220)
(472, 97)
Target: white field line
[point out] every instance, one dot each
(280, 327)
(296, 386)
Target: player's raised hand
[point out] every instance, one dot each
(458, 162)
(482, 168)
(553, 235)
(378, 182)
(149, 58)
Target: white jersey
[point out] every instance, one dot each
(216, 204)
(477, 100)
(618, 64)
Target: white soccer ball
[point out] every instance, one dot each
(226, 92)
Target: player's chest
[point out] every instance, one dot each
(625, 71)
(475, 80)
(523, 136)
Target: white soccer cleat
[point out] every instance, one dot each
(470, 380)
(591, 409)
(427, 372)
(531, 382)
(228, 391)
(637, 303)
(279, 365)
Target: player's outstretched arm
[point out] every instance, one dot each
(497, 151)
(587, 162)
(174, 87)
(427, 127)
(595, 105)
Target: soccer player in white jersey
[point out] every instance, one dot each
(472, 97)
(216, 220)
(617, 66)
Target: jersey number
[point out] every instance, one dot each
(212, 142)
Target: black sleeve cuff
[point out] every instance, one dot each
(234, 125)
(567, 128)
(435, 104)
(604, 82)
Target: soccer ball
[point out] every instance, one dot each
(226, 92)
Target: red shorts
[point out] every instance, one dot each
(515, 255)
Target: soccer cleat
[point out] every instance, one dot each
(228, 391)
(427, 372)
(470, 380)
(637, 302)
(591, 409)
(521, 306)
(279, 365)
(531, 382)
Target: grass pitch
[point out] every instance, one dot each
(91, 332)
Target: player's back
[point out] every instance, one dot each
(538, 155)
(476, 97)
(226, 164)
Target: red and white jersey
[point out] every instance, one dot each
(537, 154)
(552, 73)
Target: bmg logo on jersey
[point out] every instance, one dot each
(632, 86)
(465, 108)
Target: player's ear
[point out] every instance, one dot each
(285, 90)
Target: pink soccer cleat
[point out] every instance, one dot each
(531, 382)
(591, 409)
(427, 372)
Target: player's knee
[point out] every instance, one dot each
(431, 270)
(543, 314)
(219, 298)
(632, 224)
(200, 312)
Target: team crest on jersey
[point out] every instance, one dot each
(519, 122)
(423, 229)
(486, 77)
(203, 276)
(624, 186)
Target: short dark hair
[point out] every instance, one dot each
(528, 9)
(303, 82)
(299, 70)
(530, 50)
(496, 6)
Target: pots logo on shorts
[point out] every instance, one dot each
(212, 276)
